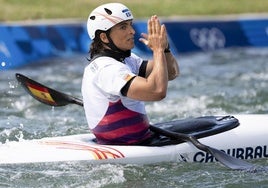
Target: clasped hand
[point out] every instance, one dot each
(156, 39)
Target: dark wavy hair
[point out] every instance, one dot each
(96, 46)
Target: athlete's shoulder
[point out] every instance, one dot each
(104, 61)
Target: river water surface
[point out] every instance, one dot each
(233, 81)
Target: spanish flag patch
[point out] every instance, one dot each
(128, 77)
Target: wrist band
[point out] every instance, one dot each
(167, 50)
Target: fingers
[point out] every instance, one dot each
(144, 38)
(149, 27)
(155, 25)
(144, 41)
(164, 34)
(156, 37)
(163, 30)
(144, 35)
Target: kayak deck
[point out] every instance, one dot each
(247, 141)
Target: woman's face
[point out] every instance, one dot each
(122, 35)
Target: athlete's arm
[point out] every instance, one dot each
(172, 64)
(154, 86)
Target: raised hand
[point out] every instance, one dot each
(156, 39)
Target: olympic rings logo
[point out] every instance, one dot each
(208, 39)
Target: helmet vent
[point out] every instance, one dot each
(108, 11)
(92, 17)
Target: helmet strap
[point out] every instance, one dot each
(114, 48)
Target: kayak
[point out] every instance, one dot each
(173, 141)
(241, 136)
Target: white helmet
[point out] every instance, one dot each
(106, 16)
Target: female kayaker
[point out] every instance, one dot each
(116, 81)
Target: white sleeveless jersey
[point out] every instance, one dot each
(102, 82)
